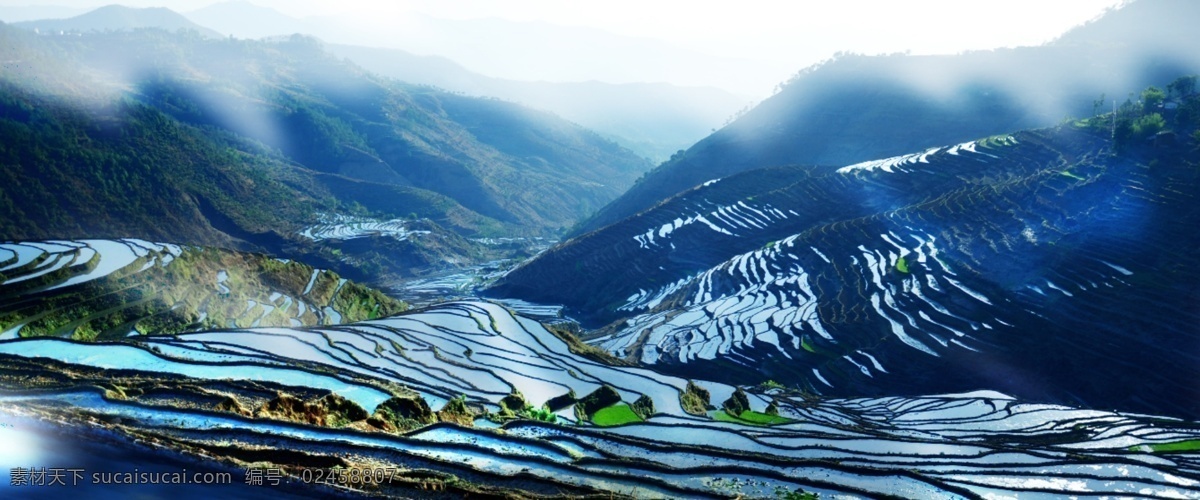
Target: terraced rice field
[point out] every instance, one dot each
(882, 277)
(345, 227)
(112, 288)
(948, 446)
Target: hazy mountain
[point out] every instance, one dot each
(855, 108)
(653, 119)
(245, 20)
(543, 51)
(117, 18)
(499, 48)
(253, 141)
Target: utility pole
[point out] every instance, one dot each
(1114, 121)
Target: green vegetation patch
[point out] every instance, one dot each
(751, 417)
(771, 384)
(797, 494)
(902, 265)
(619, 414)
(1191, 445)
(996, 141)
(599, 399)
(543, 414)
(763, 418)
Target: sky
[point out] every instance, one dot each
(778, 29)
(779, 36)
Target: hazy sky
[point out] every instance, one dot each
(779, 29)
(787, 35)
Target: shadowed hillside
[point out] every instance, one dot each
(857, 108)
(1055, 264)
(247, 143)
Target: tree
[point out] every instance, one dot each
(1127, 108)
(1152, 99)
(1182, 87)
(1097, 105)
(1148, 125)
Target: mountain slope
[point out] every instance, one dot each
(332, 117)
(653, 119)
(129, 170)
(249, 143)
(118, 18)
(856, 108)
(111, 289)
(1040, 264)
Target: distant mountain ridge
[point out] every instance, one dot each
(857, 108)
(244, 19)
(119, 17)
(251, 141)
(653, 119)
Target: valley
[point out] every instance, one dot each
(310, 269)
